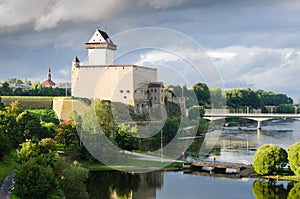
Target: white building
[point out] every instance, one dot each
(102, 79)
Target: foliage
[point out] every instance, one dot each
(105, 117)
(44, 115)
(202, 93)
(295, 192)
(269, 159)
(46, 145)
(294, 158)
(5, 90)
(125, 138)
(196, 112)
(73, 181)
(34, 181)
(267, 190)
(286, 108)
(67, 135)
(28, 150)
(217, 100)
(1, 104)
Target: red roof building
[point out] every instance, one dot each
(48, 82)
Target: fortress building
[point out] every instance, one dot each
(101, 78)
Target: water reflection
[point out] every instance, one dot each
(275, 190)
(116, 184)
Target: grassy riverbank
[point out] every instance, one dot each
(7, 164)
(133, 165)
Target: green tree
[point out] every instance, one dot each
(217, 99)
(196, 112)
(1, 104)
(269, 159)
(33, 181)
(202, 93)
(6, 90)
(28, 150)
(125, 139)
(73, 181)
(67, 135)
(295, 192)
(294, 158)
(46, 145)
(286, 108)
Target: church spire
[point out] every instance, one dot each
(49, 74)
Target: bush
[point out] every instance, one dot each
(34, 181)
(73, 182)
(269, 159)
(294, 158)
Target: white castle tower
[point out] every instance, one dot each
(102, 79)
(100, 49)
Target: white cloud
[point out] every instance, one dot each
(259, 68)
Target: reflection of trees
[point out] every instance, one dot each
(295, 192)
(104, 184)
(267, 190)
(116, 184)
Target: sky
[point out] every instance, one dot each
(251, 43)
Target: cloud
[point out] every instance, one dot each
(260, 68)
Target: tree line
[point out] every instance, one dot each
(34, 89)
(235, 99)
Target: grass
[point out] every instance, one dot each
(7, 164)
(132, 164)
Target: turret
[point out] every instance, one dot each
(100, 49)
(75, 62)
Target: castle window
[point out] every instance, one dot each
(125, 97)
(121, 91)
(128, 91)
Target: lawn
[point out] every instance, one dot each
(7, 165)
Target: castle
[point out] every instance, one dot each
(102, 79)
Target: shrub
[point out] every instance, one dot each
(294, 158)
(269, 159)
(34, 181)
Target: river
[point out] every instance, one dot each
(233, 145)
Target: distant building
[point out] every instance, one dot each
(102, 79)
(48, 82)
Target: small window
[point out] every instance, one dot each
(96, 34)
(125, 97)
(155, 90)
(154, 98)
(121, 91)
(128, 91)
(151, 90)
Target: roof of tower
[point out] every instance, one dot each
(75, 59)
(100, 36)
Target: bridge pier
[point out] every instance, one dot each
(258, 124)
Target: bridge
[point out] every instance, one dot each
(216, 166)
(218, 114)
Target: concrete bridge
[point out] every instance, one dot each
(218, 114)
(215, 166)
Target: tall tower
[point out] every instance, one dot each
(49, 74)
(100, 49)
